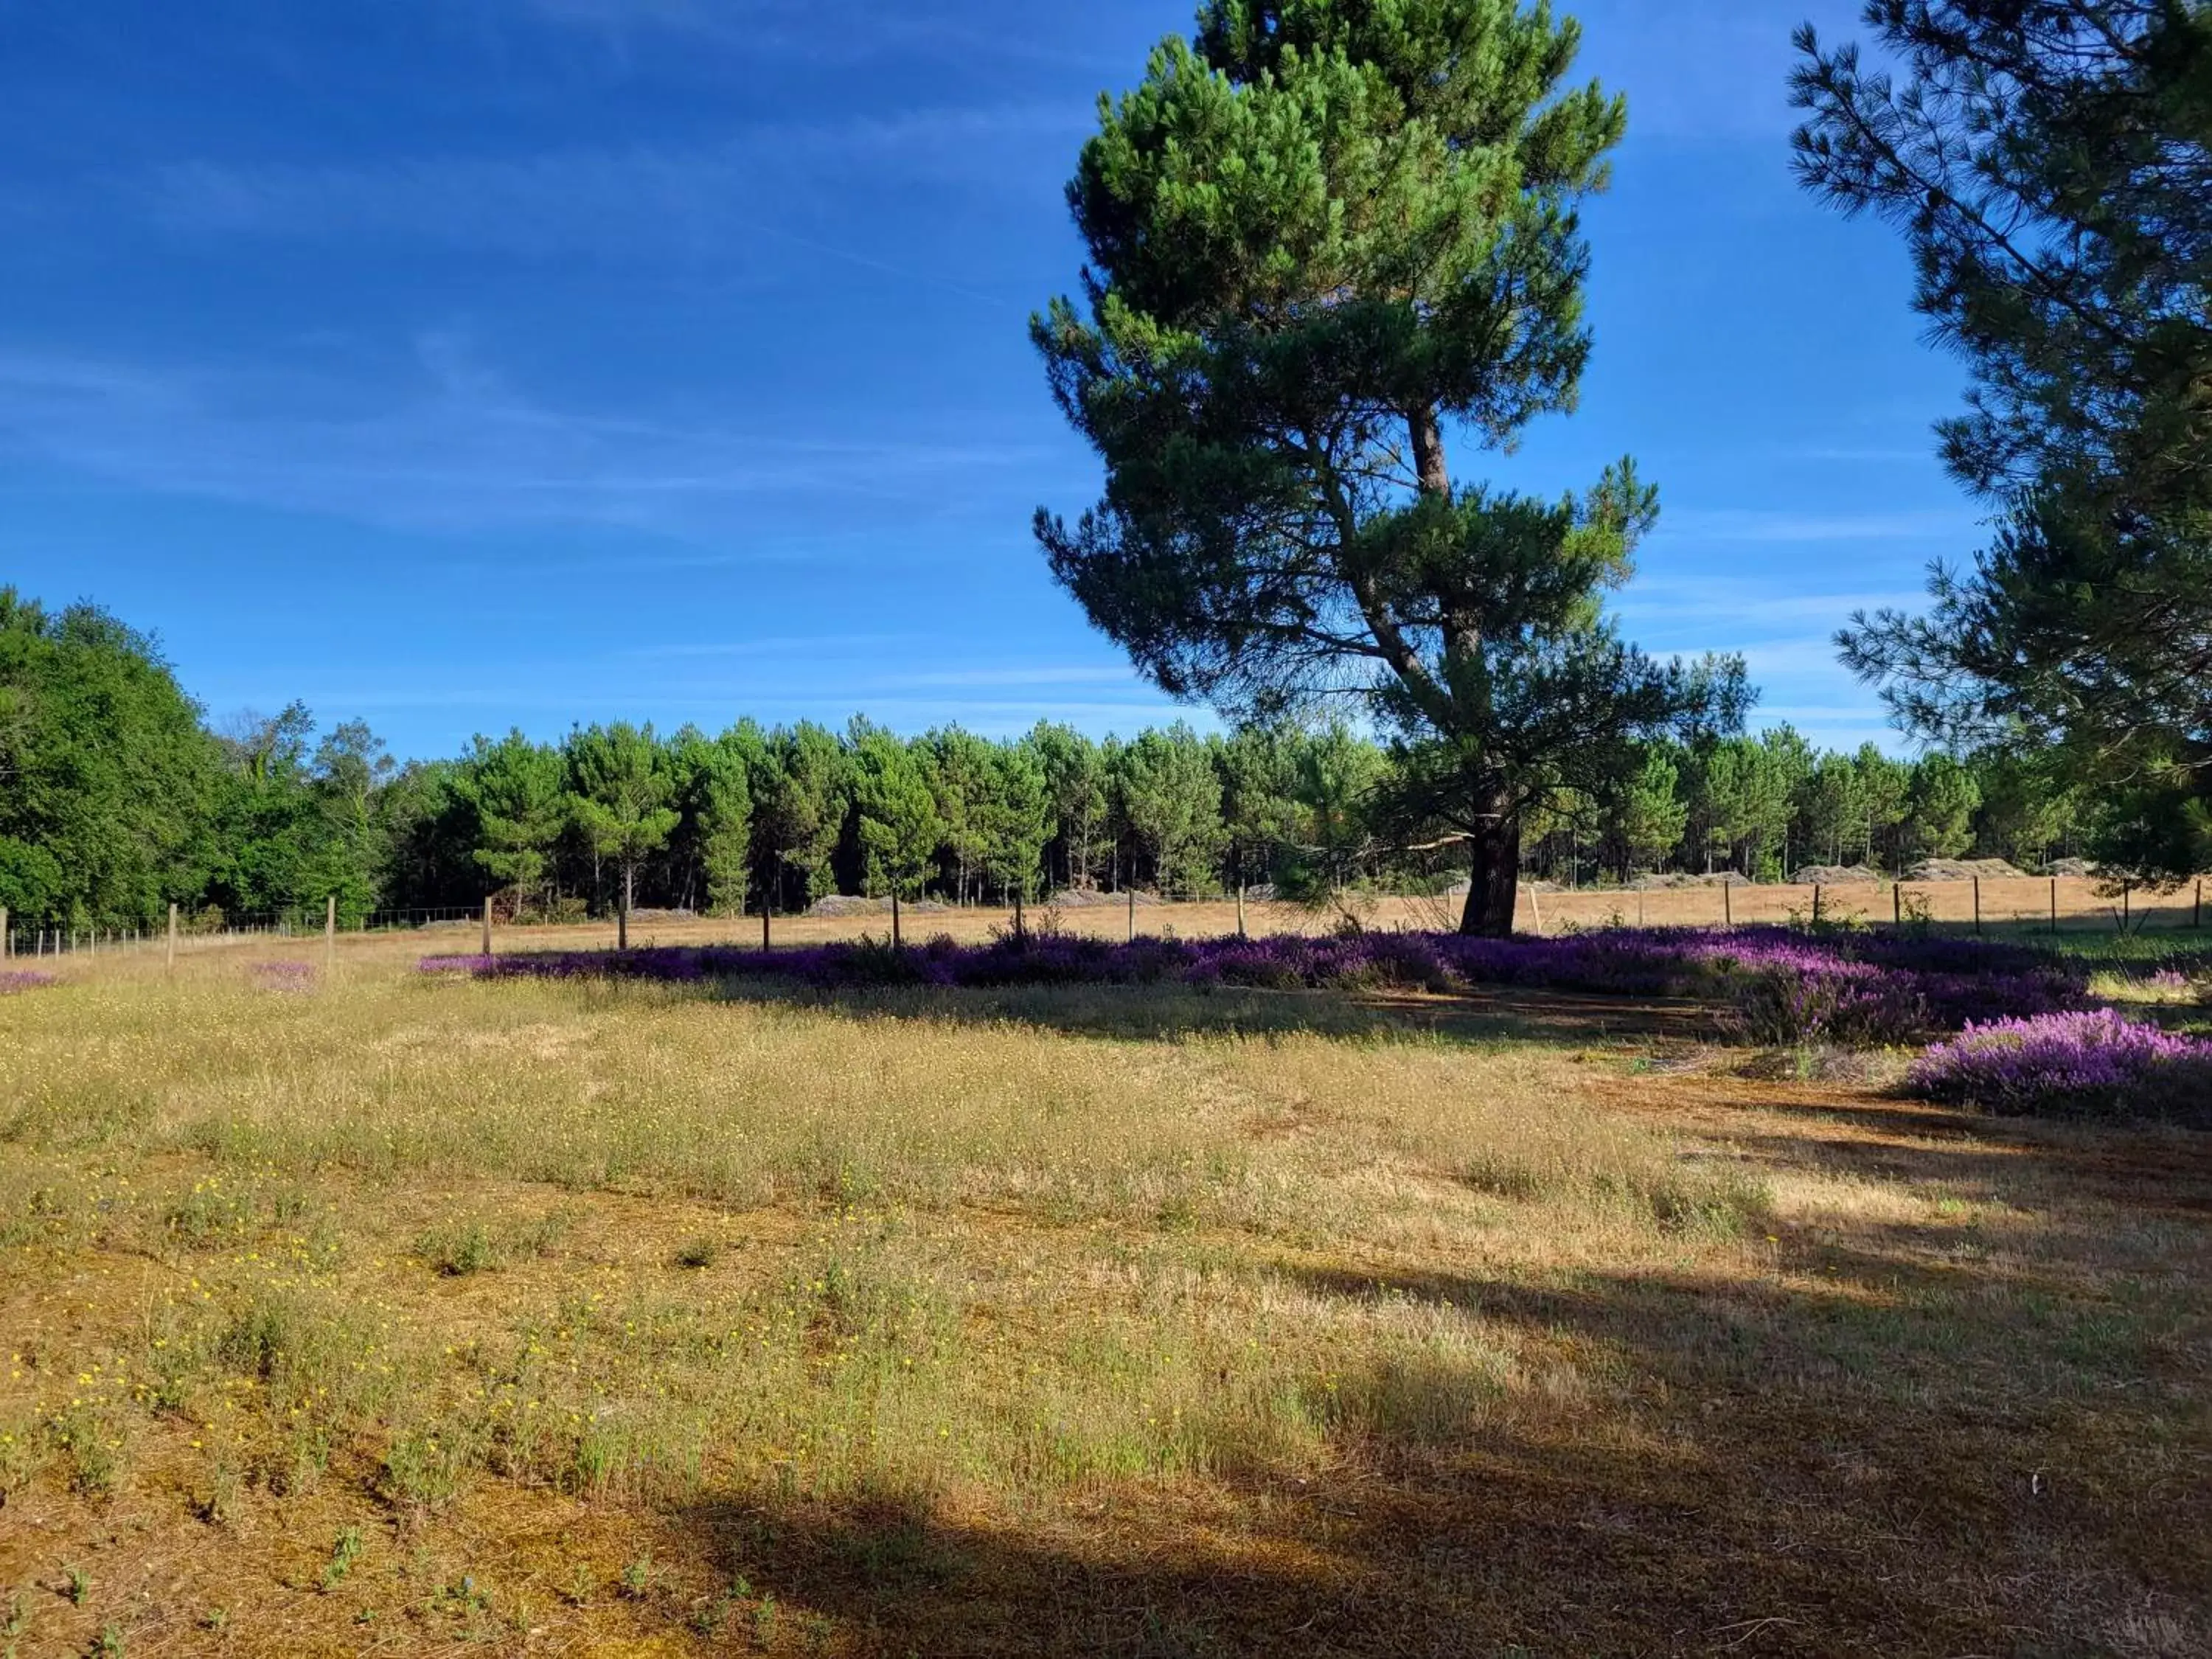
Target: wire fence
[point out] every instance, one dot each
(2003, 906)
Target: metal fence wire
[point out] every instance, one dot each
(2009, 906)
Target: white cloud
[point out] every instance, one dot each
(1071, 674)
(1664, 599)
(719, 201)
(1869, 455)
(823, 30)
(807, 644)
(456, 449)
(1739, 524)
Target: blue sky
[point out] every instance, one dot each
(458, 364)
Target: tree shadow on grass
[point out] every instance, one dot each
(1770, 1471)
(2147, 1169)
(1859, 1439)
(1170, 1012)
(1466, 1549)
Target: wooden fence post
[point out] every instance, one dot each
(2127, 904)
(765, 945)
(1133, 915)
(169, 958)
(897, 938)
(487, 925)
(1897, 904)
(1728, 904)
(1240, 910)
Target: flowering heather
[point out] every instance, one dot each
(1779, 987)
(23, 979)
(284, 975)
(2084, 1062)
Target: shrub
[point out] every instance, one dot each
(1783, 987)
(1867, 1007)
(2083, 1063)
(292, 976)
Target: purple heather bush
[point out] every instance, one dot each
(1779, 987)
(2091, 1062)
(284, 975)
(23, 979)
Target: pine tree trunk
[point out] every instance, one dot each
(1494, 877)
(1428, 444)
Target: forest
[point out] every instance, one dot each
(118, 797)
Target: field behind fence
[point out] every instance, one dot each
(2026, 907)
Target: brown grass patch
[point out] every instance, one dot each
(407, 1317)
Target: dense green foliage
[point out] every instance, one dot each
(108, 786)
(115, 800)
(2050, 162)
(1326, 238)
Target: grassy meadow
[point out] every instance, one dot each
(387, 1314)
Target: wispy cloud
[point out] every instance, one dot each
(1868, 454)
(1735, 525)
(1746, 604)
(454, 449)
(1067, 674)
(1822, 714)
(718, 202)
(1796, 655)
(790, 645)
(669, 706)
(684, 17)
(829, 30)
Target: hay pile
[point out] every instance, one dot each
(1648, 883)
(1965, 869)
(847, 904)
(1838, 875)
(1094, 898)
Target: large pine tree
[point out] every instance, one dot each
(2050, 162)
(1326, 237)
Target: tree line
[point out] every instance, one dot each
(117, 797)
(1331, 249)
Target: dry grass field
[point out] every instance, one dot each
(2022, 905)
(403, 1315)
(2021, 908)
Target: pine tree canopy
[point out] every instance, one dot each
(2050, 163)
(1323, 235)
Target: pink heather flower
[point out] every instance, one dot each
(1781, 986)
(2084, 1061)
